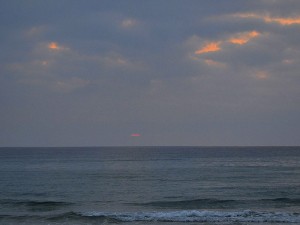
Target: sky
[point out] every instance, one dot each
(154, 73)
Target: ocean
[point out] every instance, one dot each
(150, 185)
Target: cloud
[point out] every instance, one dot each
(189, 75)
(209, 47)
(243, 38)
(43, 49)
(237, 39)
(262, 75)
(56, 84)
(56, 47)
(64, 69)
(36, 31)
(284, 21)
(53, 45)
(116, 60)
(213, 63)
(129, 23)
(226, 46)
(71, 84)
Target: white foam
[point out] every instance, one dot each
(201, 216)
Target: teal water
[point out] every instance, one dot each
(150, 185)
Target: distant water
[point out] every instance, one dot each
(150, 185)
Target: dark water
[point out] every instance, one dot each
(150, 185)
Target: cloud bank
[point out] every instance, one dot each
(205, 73)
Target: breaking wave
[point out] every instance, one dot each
(200, 216)
(211, 203)
(205, 216)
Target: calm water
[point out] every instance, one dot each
(150, 185)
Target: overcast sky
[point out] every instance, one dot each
(98, 73)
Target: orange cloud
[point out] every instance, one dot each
(285, 21)
(53, 45)
(243, 38)
(238, 39)
(209, 47)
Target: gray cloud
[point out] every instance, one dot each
(203, 73)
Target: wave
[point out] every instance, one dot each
(200, 216)
(246, 216)
(190, 204)
(285, 200)
(34, 205)
(211, 203)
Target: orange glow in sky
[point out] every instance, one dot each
(285, 21)
(135, 135)
(53, 45)
(243, 38)
(210, 47)
(238, 39)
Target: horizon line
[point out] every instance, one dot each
(153, 146)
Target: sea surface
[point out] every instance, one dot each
(150, 185)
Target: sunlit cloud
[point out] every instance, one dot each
(281, 20)
(54, 46)
(243, 38)
(237, 39)
(209, 47)
(135, 135)
(285, 21)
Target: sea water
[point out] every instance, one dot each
(150, 185)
